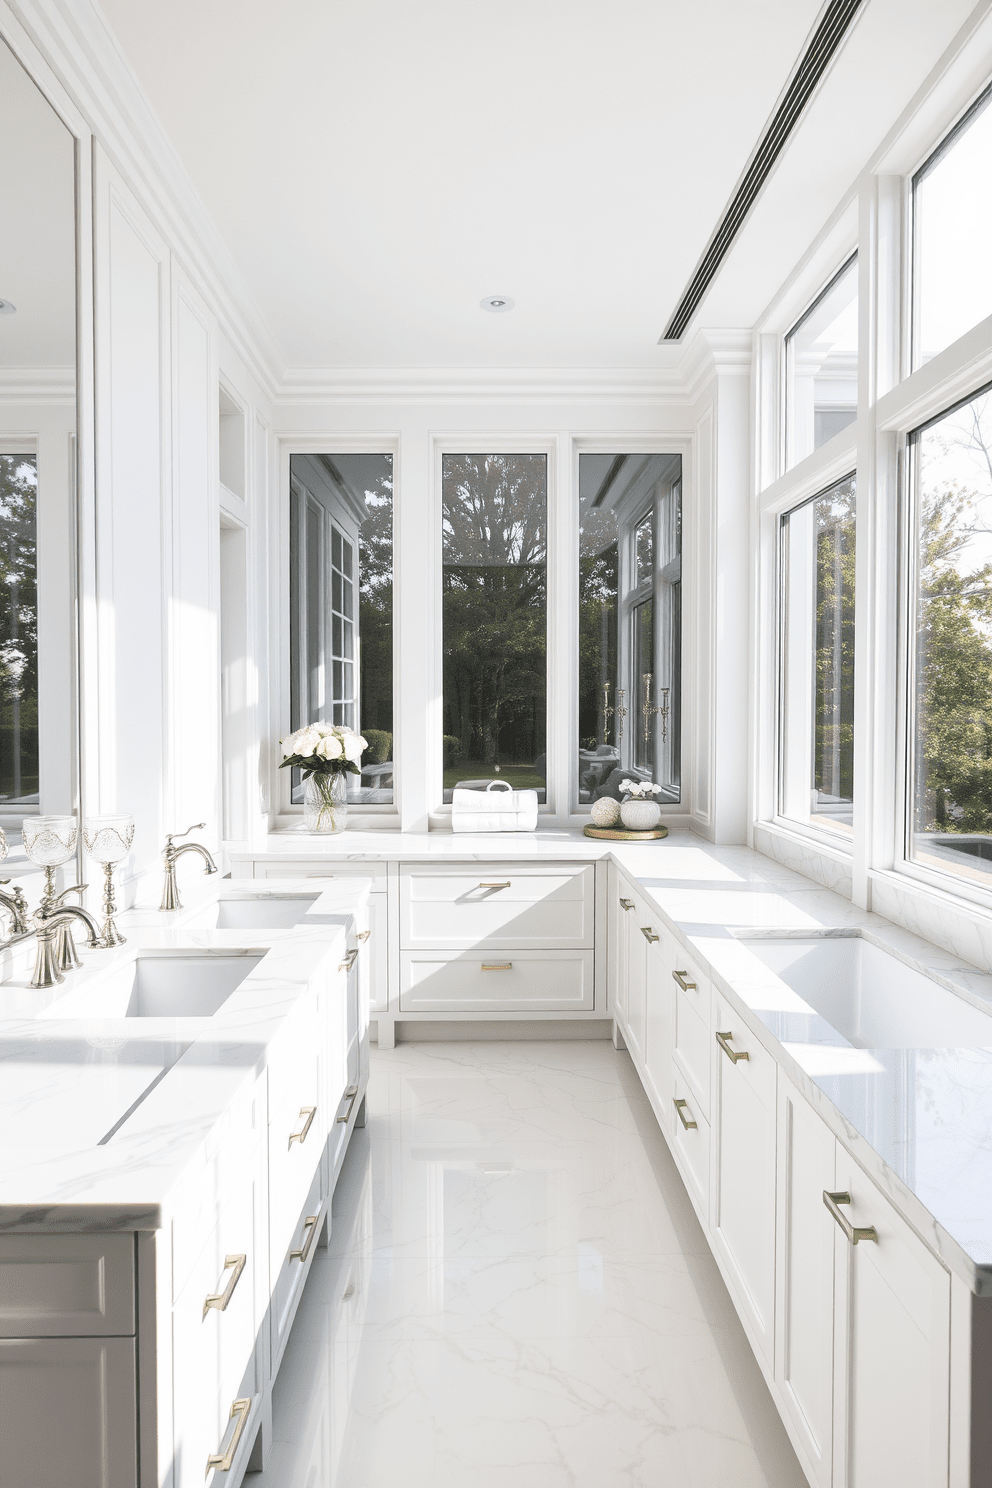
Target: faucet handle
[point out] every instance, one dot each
(75, 889)
(196, 827)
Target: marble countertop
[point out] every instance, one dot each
(99, 1117)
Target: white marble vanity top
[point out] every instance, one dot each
(99, 1117)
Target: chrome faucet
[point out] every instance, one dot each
(48, 923)
(171, 855)
(65, 950)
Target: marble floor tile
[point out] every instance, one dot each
(517, 1294)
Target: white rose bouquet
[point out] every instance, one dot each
(324, 753)
(639, 790)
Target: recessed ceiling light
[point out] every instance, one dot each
(498, 304)
(6, 308)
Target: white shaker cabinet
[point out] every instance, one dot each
(743, 1216)
(636, 922)
(659, 1018)
(621, 908)
(892, 1327)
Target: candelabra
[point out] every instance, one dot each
(617, 712)
(648, 709)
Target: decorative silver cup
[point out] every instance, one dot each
(108, 839)
(50, 841)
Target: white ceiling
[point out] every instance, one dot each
(377, 167)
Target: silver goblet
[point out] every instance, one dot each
(108, 839)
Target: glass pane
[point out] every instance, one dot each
(630, 536)
(952, 754)
(822, 368)
(817, 712)
(953, 222)
(494, 536)
(352, 496)
(18, 629)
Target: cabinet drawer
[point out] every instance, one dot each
(296, 1146)
(214, 1346)
(374, 874)
(290, 1267)
(758, 1070)
(501, 907)
(59, 1286)
(511, 981)
(235, 1149)
(692, 1143)
(693, 1040)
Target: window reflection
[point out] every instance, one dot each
(18, 629)
(630, 592)
(821, 355)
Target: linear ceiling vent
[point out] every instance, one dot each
(812, 65)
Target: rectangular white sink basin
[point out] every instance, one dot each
(161, 985)
(267, 912)
(873, 999)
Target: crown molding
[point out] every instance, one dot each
(24, 385)
(715, 353)
(78, 46)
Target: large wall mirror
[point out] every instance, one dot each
(38, 728)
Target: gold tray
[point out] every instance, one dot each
(612, 835)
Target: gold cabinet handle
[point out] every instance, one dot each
(349, 961)
(240, 1411)
(363, 934)
(221, 1299)
(497, 965)
(350, 1095)
(505, 885)
(309, 1229)
(682, 977)
(854, 1233)
(626, 903)
(687, 1121)
(723, 1039)
(300, 1136)
(648, 933)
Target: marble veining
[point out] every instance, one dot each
(516, 1291)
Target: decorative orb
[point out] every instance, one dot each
(640, 816)
(605, 812)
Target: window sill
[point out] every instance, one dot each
(827, 863)
(949, 920)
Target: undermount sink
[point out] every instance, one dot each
(188, 985)
(266, 912)
(871, 998)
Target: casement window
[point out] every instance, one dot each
(630, 623)
(821, 367)
(952, 230)
(19, 776)
(341, 588)
(816, 648)
(495, 618)
(950, 734)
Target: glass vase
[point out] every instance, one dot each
(325, 803)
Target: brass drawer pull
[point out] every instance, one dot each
(687, 1121)
(300, 1136)
(350, 1095)
(682, 978)
(496, 885)
(648, 934)
(626, 903)
(723, 1039)
(219, 1300)
(854, 1233)
(240, 1411)
(349, 961)
(497, 965)
(363, 934)
(309, 1229)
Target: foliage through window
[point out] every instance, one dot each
(630, 623)
(494, 537)
(817, 649)
(18, 629)
(952, 734)
(341, 607)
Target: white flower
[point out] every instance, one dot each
(640, 788)
(629, 786)
(354, 746)
(328, 747)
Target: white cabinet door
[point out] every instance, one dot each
(891, 1345)
(637, 946)
(805, 1279)
(659, 1021)
(377, 958)
(744, 1192)
(67, 1413)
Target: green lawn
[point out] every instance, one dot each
(521, 777)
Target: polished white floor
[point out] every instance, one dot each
(517, 1294)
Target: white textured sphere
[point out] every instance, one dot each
(605, 812)
(640, 816)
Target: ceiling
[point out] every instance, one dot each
(377, 168)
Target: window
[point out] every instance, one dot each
(341, 607)
(951, 808)
(821, 368)
(630, 623)
(18, 631)
(495, 621)
(952, 221)
(817, 548)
